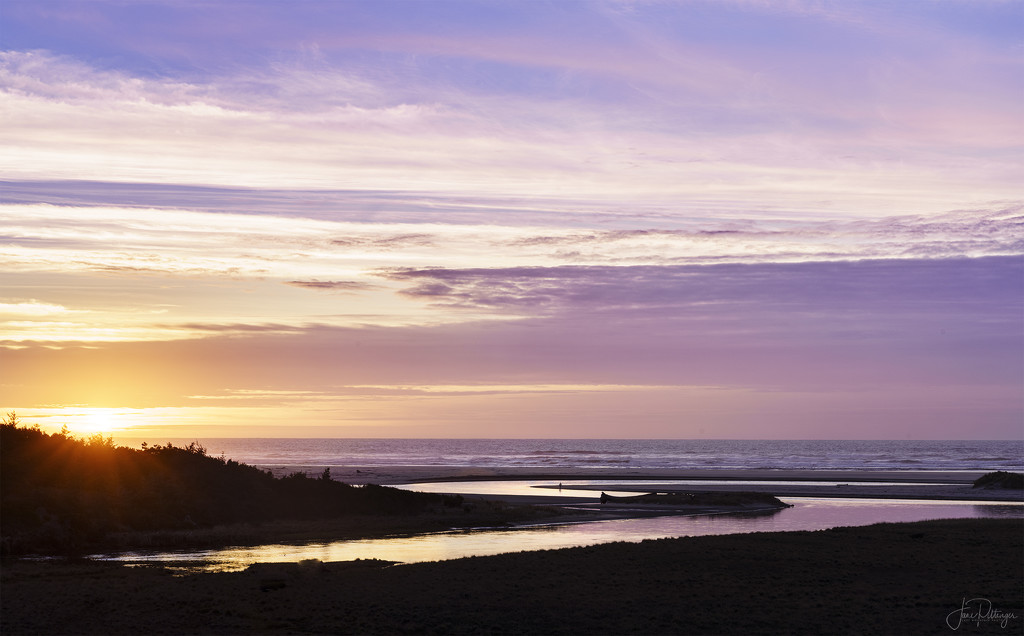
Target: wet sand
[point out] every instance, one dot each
(887, 579)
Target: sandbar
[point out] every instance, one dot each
(916, 485)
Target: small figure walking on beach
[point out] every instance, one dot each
(559, 486)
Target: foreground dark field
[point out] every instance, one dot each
(887, 579)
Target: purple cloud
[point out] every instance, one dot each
(990, 284)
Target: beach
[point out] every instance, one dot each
(906, 578)
(887, 578)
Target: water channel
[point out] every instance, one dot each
(806, 513)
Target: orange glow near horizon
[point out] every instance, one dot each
(84, 421)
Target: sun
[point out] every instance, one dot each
(95, 420)
(87, 421)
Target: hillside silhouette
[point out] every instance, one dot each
(61, 493)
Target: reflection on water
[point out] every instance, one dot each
(586, 487)
(806, 514)
(506, 487)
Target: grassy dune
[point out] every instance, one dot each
(63, 495)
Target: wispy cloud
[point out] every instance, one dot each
(113, 269)
(32, 307)
(320, 124)
(331, 285)
(187, 242)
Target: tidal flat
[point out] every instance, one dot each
(906, 578)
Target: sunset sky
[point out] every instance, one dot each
(729, 219)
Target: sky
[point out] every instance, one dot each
(753, 219)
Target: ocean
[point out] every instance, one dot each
(887, 455)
